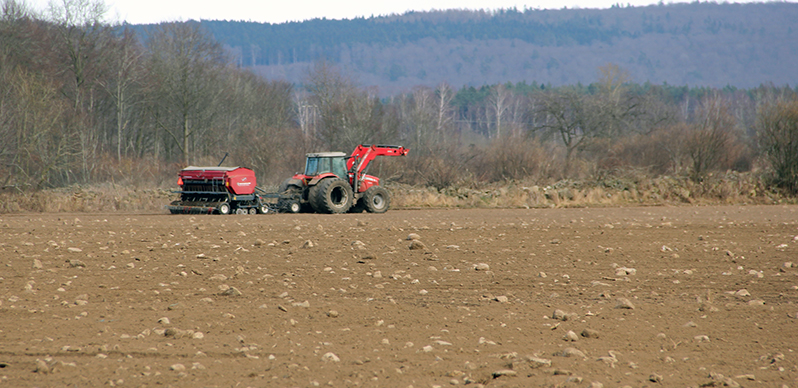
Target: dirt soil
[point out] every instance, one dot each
(659, 296)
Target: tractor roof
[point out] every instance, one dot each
(326, 154)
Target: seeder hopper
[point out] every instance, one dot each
(219, 190)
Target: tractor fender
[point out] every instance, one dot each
(318, 178)
(293, 181)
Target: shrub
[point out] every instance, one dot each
(777, 131)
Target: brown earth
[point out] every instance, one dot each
(153, 300)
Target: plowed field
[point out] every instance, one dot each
(659, 296)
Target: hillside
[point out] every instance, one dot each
(707, 44)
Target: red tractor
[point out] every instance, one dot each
(336, 183)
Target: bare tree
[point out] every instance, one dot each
(349, 115)
(709, 138)
(500, 102)
(186, 65)
(125, 79)
(566, 115)
(82, 37)
(445, 95)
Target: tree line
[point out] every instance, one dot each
(84, 101)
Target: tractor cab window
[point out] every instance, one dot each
(339, 167)
(320, 165)
(312, 166)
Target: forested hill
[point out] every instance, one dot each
(697, 44)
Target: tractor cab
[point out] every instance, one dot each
(325, 162)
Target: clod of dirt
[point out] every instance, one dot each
(164, 321)
(571, 336)
(563, 316)
(701, 338)
(37, 264)
(177, 333)
(413, 236)
(623, 303)
(482, 340)
(590, 333)
(721, 380)
(177, 367)
(232, 291)
(623, 271)
(655, 378)
(417, 245)
(482, 267)
(76, 263)
(610, 360)
(502, 299)
(330, 357)
(74, 250)
(571, 352)
(333, 314)
(308, 244)
(41, 367)
(504, 372)
(536, 362)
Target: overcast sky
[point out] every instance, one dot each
(279, 11)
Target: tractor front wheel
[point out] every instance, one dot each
(376, 199)
(331, 195)
(224, 208)
(290, 197)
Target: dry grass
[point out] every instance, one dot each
(97, 198)
(632, 190)
(729, 188)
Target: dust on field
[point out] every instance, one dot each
(670, 296)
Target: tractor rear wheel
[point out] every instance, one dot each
(331, 195)
(376, 199)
